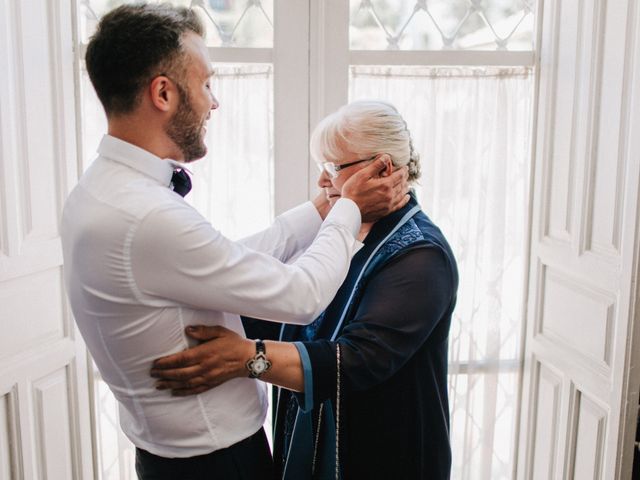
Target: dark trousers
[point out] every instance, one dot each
(249, 459)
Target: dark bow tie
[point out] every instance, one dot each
(181, 182)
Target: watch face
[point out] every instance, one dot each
(259, 365)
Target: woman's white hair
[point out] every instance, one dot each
(365, 128)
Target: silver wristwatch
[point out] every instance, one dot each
(258, 364)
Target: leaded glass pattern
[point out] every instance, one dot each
(441, 24)
(228, 23)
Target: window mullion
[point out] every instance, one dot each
(329, 62)
(291, 102)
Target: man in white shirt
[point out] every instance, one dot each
(141, 264)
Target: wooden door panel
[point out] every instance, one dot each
(584, 245)
(544, 435)
(587, 431)
(52, 414)
(45, 427)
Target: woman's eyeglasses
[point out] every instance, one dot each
(333, 168)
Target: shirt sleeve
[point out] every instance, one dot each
(178, 258)
(399, 310)
(290, 234)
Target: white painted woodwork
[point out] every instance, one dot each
(587, 438)
(44, 402)
(328, 59)
(548, 395)
(224, 54)
(569, 306)
(52, 425)
(7, 442)
(499, 58)
(291, 97)
(580, 389)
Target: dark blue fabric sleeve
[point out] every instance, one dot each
(399, 311)
(305, 399)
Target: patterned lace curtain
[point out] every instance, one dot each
(472, 127)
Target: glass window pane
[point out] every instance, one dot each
(228, 23)
(472, 129)
(441, 24)
(233, 184)
(238, 23)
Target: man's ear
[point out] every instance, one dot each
(162, 93)
(388, 166)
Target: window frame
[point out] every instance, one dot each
(311, 58)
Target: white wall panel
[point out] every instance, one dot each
(547, 400)
(8, 135)
(585, 243)
(575, 38)
(53, 439)
(560, 45)
(588, 430)
(38, 298)
(578, 316)
(38, 172)
(38, 164)
(6, 440)
(609, 162)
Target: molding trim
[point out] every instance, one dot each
(11, 433)
(23, 168)
(442, 58)
(545, 137)
(555, 381)
(580, 405)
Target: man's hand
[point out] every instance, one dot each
(198, 369)
(322, 204)
(376, 192)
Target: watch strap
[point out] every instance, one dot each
(259, 363)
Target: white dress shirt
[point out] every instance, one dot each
(141, 264)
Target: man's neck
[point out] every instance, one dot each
(151, 138)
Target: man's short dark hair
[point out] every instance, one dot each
(132, 45)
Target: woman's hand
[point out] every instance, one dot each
(376, 190)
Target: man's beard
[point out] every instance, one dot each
(185, 129)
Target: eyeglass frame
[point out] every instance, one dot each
(332, 169)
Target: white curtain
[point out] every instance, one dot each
(233, 185)
(472, 127)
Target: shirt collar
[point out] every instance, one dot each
(139, 159)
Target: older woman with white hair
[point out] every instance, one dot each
(363, 388)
